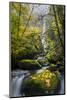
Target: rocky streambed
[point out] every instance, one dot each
(36, 82)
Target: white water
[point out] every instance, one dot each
(18, 78)
(62, 86)
(17, 81)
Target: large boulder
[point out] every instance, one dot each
(29, 64)
(43, 83)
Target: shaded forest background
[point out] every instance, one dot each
(37, 49)
(35, 32)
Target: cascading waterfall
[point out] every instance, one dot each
(17, 81)
(62, 85)
(42, 39)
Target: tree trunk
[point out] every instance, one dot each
(19, 21)
(57, 26)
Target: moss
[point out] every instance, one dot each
(42, 83)
(52, 67)
(29, 64)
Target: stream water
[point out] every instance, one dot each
(18, 76)
(17, 81)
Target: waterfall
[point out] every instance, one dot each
(42, 41)
(62, 85)
(43, 35)
(17, 82)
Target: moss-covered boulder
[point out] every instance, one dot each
(29, 64)
(43, 83)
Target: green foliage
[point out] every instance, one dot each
(23, 42)
(26, 33)
(55, 33)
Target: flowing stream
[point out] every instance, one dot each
(62, 85)
(17, 82)
(18, 76)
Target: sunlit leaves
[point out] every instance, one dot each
(26, 37)
(47, 79)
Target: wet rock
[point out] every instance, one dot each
(29, 64)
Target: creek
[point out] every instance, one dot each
(18, 77)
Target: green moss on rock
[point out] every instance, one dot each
(29, 64)
(42, 83)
